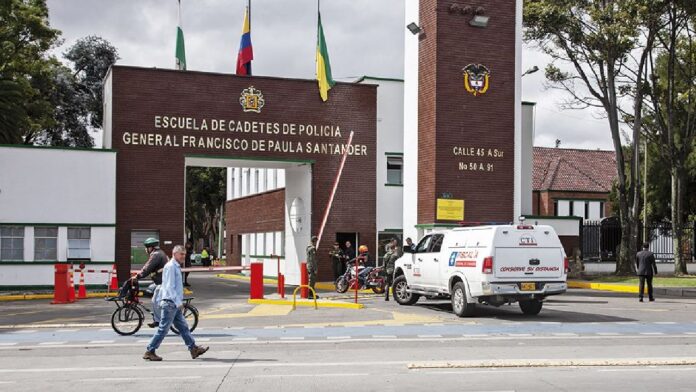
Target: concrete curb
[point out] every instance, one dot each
(321, 304)
(685, 292)
(588, 362)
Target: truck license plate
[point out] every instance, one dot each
(528, 286)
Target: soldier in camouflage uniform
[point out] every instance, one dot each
(389, 261)
(312, 267)
(337, 260)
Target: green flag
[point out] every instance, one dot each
(323, 65)
(180, 50)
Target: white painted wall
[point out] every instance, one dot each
(522, 201)
(298, 185)
(46, 185)
(108, 110)
(563, 227)
(246, 181)
(527, 157)
(43, 275)
(410, 123)
(390, 125)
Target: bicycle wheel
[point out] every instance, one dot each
(127, 320)
(191, 317)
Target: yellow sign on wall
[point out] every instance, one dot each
(450, 209)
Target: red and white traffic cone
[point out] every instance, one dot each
(82, 291)
(114, 279)
(71, 287)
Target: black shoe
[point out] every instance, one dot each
(386, 298)
(153, 324)
(187, 284)
(652, 299)
(640, 299)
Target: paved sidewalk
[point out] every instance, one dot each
(683, 292)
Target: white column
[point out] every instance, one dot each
(518, 172)
(410, 168)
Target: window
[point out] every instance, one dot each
(46, 243)
(424, 244)
(79, 243)
(138, 253)
(12, 243)
(394, 169)
(436, 244)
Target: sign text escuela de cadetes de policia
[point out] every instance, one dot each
(156, 119)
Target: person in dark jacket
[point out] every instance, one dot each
(645, 269)
(187, 262)
(154, 266)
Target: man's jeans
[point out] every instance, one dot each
(156, 312)
(171, 314)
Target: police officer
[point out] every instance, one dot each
(389, 262)
(337, 260)
(312, 267)
(154, 266)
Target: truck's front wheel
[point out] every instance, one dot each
(401, 293)
(460, 306)
(531, 307)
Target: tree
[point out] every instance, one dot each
(25, 67)
(593, 39)
(76, 94)
(205, 196)
(92, 57)
(672, 112)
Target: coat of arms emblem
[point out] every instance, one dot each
(251, 100)
(476, 77)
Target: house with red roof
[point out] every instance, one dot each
(573, 182)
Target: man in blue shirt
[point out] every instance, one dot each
(171, 302)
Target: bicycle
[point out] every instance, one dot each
(129, 315)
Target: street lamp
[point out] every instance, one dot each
(414, 28)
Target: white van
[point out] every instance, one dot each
(484, 265)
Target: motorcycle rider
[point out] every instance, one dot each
(363, 258)
(154, 265)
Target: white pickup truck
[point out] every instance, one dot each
(484, 265)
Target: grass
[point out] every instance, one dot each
(658, 281)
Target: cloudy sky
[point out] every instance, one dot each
(365, 37)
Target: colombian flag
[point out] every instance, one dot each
(323, 65)
(246, 53)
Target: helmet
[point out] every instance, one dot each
(151, 242)
(362, 249)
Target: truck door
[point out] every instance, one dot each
(419, 260)
(432, 263)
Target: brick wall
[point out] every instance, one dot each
(450, 117)
(261, 213)
(150, 176)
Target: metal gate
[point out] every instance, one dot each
(601, 239)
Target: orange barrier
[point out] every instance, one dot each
(61, 286)
(256, 290)
(304, 280)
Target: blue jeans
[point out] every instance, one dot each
(156, 312)
(171, 315)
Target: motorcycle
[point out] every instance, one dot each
(368, 278)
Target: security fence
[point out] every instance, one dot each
(601, 239)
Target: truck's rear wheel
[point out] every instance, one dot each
(460, 306)
(531, 307)
(401, 294)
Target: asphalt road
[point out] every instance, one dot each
(384, 347)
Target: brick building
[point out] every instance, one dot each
(573, 182)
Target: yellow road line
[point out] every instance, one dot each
(321, 304)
